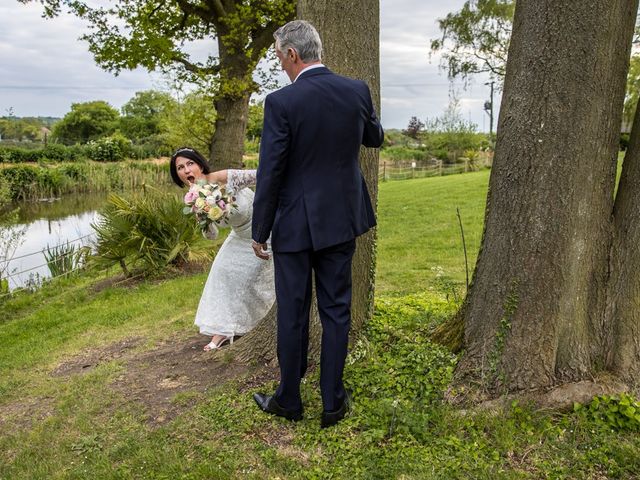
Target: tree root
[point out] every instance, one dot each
(558, 398)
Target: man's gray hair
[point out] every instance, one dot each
(302, 37)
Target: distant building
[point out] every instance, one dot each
(45, 133)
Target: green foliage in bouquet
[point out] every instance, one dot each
(147, 234)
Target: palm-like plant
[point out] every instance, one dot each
(148, 232)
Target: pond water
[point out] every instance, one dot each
(48, 224)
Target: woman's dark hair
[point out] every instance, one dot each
(191, 154)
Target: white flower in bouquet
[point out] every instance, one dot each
(215, 213)
(200, 203)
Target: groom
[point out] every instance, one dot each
(312, 199)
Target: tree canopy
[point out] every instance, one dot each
(476, 38)
(633, 90)
(86, 121)
(157, 35)
(189, 122)
(160, 36)
(142, 114)
(414, 127)
(27, 128)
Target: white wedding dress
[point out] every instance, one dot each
(240, 288)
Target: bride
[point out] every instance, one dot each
(240, 288)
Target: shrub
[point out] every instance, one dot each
(252, 146)
(18, 155)
(109, 149)
(147, 233)
(250, 161)
(59, 153)
(398, 153)
(454, 143)
(441, 154)
(21, 179)
(52, 152)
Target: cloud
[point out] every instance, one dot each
(45, 67)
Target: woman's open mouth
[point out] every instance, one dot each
(191, 179)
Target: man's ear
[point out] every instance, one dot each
(292, 54)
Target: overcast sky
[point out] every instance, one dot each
(44, 68)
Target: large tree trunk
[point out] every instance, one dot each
(232, 106)
(236, 78)
(227, 145)
(623, 310)
(350, 37)
(534, 313)
(351, 47)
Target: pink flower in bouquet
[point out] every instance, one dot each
(222, 205)
(190, 196)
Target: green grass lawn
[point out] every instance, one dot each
(419, 233)
(77, 401)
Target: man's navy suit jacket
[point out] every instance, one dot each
(310, 192)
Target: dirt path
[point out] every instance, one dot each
(152, 378)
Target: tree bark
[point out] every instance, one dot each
(623, 304)
(227, 144)
(534, 315)
(238, 60)
(350, 37)
(231, 104)
(351, 47)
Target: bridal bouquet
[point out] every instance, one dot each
(210, 203)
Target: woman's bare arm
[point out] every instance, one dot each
(219, 177)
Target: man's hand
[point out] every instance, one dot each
(260, 249)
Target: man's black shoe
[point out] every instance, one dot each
(267, 403)
(331, 418)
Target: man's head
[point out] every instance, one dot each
(298, 45)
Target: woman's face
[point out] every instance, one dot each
(188, 170)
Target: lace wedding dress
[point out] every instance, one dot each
(240, 288)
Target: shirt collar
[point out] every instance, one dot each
(310, 67)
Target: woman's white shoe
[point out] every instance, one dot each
(219, 344)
